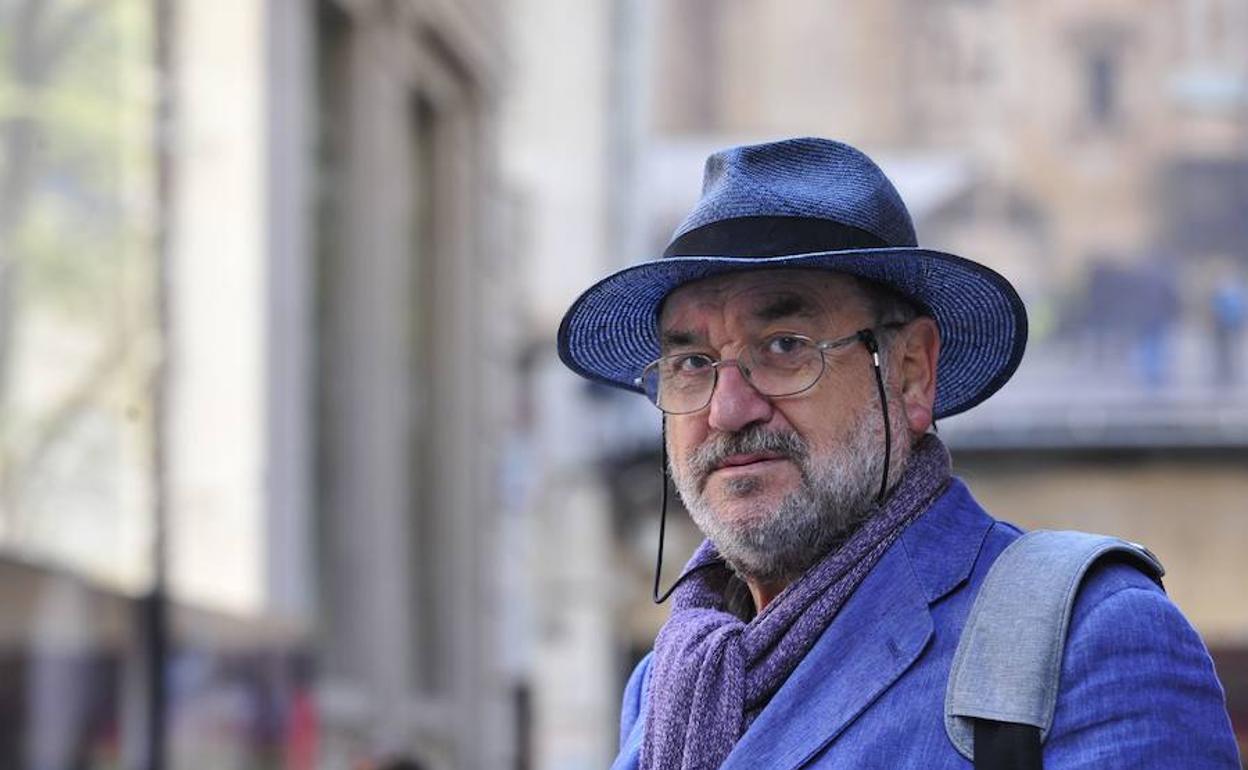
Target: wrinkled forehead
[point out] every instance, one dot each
(763, 296)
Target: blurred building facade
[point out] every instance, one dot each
(569, 118)
(264, 330)
(413, 393)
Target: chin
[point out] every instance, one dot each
(736, 509)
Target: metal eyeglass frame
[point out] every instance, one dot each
(745, 367)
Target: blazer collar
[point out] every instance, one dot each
(880, 632)
(944, 542)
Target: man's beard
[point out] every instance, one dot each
(837, 493)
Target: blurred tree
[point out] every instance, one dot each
(75, 267)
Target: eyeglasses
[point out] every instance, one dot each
(778, 365)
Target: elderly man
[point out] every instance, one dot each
(801, 345)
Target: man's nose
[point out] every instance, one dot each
(736, 403)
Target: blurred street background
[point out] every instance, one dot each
(290, 475)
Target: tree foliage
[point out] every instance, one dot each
(77, 268)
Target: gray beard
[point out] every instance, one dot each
(836, 494)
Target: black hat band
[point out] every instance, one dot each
(771, 236)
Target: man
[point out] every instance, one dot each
(801, 345)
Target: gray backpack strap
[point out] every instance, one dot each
(1009, 657)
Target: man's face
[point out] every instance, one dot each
(776, 482)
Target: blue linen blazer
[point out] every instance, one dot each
(1138, 688)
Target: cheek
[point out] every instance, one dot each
(684, 435)
(823, 419)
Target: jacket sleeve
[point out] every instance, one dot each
(1138, 689)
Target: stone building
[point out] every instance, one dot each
(274, 229)
(411, 400)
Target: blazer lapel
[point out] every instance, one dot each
(878, 634)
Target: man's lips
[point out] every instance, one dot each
(741, 461)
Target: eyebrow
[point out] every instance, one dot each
(677, 338)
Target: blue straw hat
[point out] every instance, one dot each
(804, 203)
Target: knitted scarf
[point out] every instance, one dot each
(712, 672)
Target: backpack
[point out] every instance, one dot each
(1004, 680)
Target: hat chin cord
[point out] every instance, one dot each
(868, 339)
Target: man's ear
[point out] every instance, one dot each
(918, 351)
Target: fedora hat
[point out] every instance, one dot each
(804, 203)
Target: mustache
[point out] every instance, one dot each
(752, 440)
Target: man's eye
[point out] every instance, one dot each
(784, 345)
(694, 362)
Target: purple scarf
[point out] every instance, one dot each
(713, 672)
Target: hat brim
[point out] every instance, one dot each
(611, 332)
